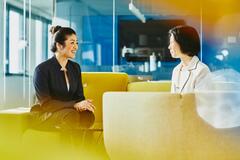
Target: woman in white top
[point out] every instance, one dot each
(185, 44)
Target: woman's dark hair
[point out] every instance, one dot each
(187, 38)
(59, 35)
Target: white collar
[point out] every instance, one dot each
(191, 66)
(63, 69)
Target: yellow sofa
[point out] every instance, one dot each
(150, 86)
(26, 143)
(13, 123)
(97, 83)
(152, 125)
(16, 136)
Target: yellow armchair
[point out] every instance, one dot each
(140, 125)
(17, 137)
(150, 86)
(95, 84)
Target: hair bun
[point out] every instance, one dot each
(54, 29)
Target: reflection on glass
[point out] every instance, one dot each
(218, 99)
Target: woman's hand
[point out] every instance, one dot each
(84, 105)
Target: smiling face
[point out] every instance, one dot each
(174, 48)
(70, 47)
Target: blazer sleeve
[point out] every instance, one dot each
(40, 81)
(200, 78)
(79, 94)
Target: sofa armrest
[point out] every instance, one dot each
(13, 122)
(150, 86)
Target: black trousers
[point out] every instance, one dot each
(64, 119)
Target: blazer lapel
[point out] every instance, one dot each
(186, 75)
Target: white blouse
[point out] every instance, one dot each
(66, 77)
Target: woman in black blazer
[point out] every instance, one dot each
(58, 86)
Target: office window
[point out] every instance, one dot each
(18, 56)
(50, 54)
(39, 41)
(16, 44)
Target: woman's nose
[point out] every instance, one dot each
(76, 46)
(169, 46)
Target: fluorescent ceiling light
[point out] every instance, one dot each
(136, 12)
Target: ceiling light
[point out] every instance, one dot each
(136, 12)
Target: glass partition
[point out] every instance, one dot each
(142, 43)
(141, 46)
(25, 44)
(93, 22)
(112, 38)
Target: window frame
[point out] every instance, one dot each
(45, 37)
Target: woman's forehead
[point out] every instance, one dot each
(72, 37)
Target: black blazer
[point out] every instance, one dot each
(51, 88)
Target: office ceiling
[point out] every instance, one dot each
(41, 7)
(166, 7)
(44, 5)
(149, 7)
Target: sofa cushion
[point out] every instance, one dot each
(97, 83)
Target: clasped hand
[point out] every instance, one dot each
(84, 105)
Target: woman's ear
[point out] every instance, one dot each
(59, 46)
